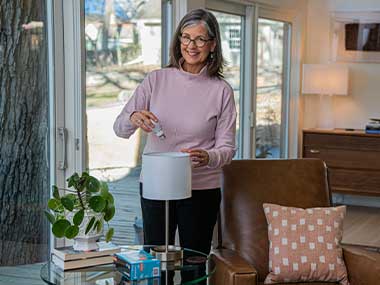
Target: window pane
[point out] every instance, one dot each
(269, 88)
(24, 133)
(230, 32)
(123, 43)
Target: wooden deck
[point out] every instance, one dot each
(127, 203)
(21, 275)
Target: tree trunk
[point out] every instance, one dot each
(105, 30)
(24, 172)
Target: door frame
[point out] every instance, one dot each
(69, 58)
(75, 77)
(68, 54)
(56, 75)
(74, 73)
(293, 72)
(285, 92)
(252, 12)
(248, 68)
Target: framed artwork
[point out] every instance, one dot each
(355, 36)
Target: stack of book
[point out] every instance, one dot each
(373, 127)
(67, 258)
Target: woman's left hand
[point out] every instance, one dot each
(199, 157)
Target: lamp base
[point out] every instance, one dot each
(171, 265)
(326, 112)
(172, 254)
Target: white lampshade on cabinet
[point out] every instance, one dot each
(325, 79)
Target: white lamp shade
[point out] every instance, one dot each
(167, 175)
(325, 79)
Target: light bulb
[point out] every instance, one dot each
(157, 130)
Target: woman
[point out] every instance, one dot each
(196, 110)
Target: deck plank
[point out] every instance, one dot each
(126, 192)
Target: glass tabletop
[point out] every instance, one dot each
(195, 268)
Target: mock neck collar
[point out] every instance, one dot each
(202, 72)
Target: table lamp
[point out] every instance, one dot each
(167, 176)
(325, 79)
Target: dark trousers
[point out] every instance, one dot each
(195, 218)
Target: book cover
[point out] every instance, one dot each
(373, 125)
(370, 131)
(149, 281)
(137, 264)
(80, 263)
(68, 253)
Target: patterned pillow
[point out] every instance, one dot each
(304, 244)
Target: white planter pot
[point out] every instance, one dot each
(82, 241)
(86, 243)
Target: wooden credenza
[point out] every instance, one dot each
(352, 157)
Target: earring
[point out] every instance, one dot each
(212, 55)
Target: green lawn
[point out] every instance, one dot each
(100, 99)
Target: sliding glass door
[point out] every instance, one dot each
(119, 42)
(272, 91)
(231, 28)
(123, 43)
(257, 50)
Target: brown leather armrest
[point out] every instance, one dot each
(232, 269)
(363, 266)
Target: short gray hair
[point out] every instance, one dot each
(196, 22)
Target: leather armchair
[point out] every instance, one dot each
(242, 254)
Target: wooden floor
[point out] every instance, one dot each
(362, 227)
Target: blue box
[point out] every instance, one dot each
(149, 281)
(137, 264)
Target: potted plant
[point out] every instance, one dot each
(81, 213)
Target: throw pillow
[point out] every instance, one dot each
(304, 244)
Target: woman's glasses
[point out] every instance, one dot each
(198, 41)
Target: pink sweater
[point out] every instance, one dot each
(194, 110)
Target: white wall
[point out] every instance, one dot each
(286, 4)
(363, 101)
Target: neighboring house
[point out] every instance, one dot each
(230, 30)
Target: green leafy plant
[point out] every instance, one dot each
(89, 195)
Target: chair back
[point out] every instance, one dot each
(247, 184)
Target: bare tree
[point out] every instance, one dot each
(24, 170)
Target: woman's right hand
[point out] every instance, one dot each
(143, 119)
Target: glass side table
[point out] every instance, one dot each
(195, 268)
